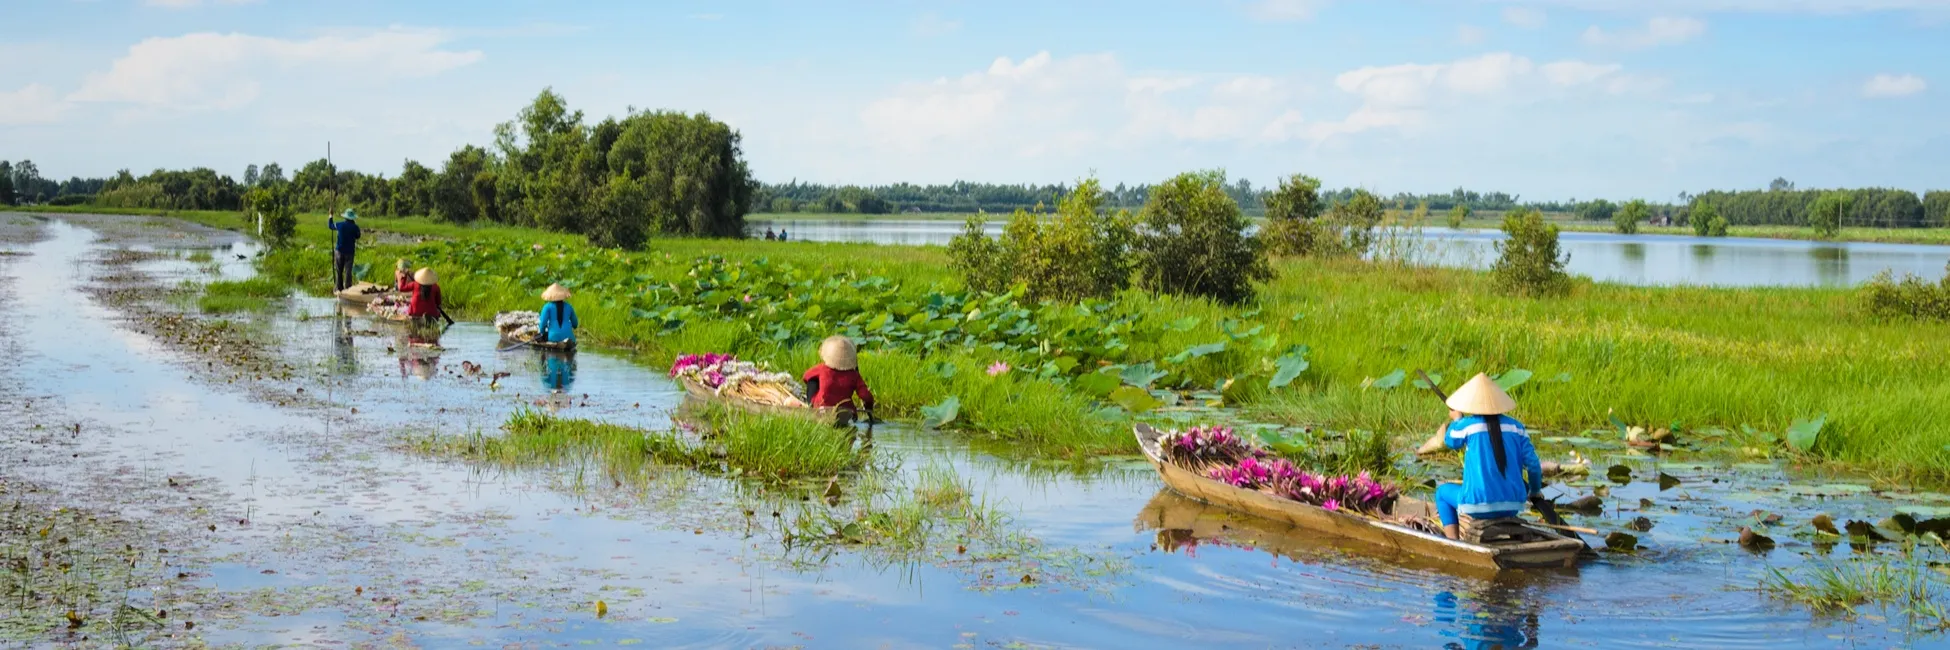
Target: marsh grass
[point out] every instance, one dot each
(935, 509)
(783, 447)
(65, 571)
(738, 444)
(200, 257)
(254, 294)
(1841, 587)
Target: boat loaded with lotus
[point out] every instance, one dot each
(746, 386)
(1216, 466)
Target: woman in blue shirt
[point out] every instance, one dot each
(557, 321)
(1500, 467)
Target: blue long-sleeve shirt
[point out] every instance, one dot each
(558, 322)
(348, 234)
(1487, 488)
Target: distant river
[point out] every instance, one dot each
(1628, 259)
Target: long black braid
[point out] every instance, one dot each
(1495, 423)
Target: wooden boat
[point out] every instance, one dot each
(703, 394)
(564, 347)
(1532, 548)
(361, 293)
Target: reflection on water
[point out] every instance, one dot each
(558, 371)
(1629, 259)
(1498, 617)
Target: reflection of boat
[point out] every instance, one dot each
(701, 393)
(1532, 547)
(363, 293)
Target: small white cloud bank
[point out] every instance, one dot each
(1886, 86)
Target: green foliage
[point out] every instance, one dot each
(1936, 209)
(1598, 210)
(1458, 215)
(196, 189)
(1293, 217)
(6, 189)
(1083, 252)
(1802, 435)
(1826, 213)
(1351, 225)
(1626, 219)
(1912, 297)
(254, 294)
(273, 204)
(1706, 220)
(941, 415)
(1194, 243)
(1869, 207)
(1528, 261)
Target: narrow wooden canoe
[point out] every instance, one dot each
(360, 293)
(701, 393)
(565, 347)
(1545, 548)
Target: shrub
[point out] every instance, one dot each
(1703, 217)
(1626, 219)
(1528, 263)
(1599, 210)
(1910, 298)
(1457, 215)
(1292, 217)
(1825, 214)
(1350, 225)
(1083, 252)
(272, 203)
(1194, 241)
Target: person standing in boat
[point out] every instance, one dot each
(557, 322)
(1501, 471)
(344, 245)
(423, 289)
(836, 380)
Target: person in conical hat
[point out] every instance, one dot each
(558, 320)
(402, 273)
(1501, 471)
(837, 380)
(424, 287)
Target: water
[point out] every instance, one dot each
(1628, 259)
(472, 555)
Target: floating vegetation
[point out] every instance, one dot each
(1841, 587)
(70, 574)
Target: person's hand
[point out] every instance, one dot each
(1454, 415)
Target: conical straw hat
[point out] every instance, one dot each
(555, 292)
(837, 352)
(1481, 396)
(400, 264)
(425, 276)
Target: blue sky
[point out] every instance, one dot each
(1547, 98)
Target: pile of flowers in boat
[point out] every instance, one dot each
(1219, 454)
(518, 325)
(727, 376)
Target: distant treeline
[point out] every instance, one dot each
(1871, 207)
(963, 197)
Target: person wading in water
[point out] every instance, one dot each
(836, 380)
(1500, 467)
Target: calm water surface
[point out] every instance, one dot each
(1629, 259)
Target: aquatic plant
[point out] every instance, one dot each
(1200, 446)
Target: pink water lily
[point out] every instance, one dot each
(998, 368)
(1222, 456)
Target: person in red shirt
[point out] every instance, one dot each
(836, 380)
(425, 291)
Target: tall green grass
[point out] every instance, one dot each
(254, 294)
(764, 446)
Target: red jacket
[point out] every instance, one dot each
(837, 387)
(426, 299)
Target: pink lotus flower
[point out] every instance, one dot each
(538, 247)
(748, 297)
(1330, 505)
(998, 368)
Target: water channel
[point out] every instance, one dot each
(1628, 259)
(513, 557)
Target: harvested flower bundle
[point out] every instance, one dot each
(518, 325)
(1221, 455)
(726, 376)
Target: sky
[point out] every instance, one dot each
(1549, 99)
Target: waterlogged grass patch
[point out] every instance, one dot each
(1908, 585)
(740, 444)
(254, 294)
(66, 572)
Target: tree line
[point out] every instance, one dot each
(965, 197)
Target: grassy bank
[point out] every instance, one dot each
(1697, 357)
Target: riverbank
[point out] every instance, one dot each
(1705, 360)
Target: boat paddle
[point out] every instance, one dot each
(517, 346)
(1545, 508)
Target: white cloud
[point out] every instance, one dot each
(1893, 85)
(222, 71)
(1285, 10)
(1659, 30)
(933, 25)
(34, 104)
(186, 4)
(1407, 96)
(1751, 6)
(1525, 17)
(1470, 35)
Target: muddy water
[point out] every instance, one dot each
(330, 530)
(1628, 259)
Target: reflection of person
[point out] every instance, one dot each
(1500, 467)
(557, 322)
(343, 246)
(558, 372)
(1491, 625)
(348, 358)
(836, 380)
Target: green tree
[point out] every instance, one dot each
(1351, 224)
(1193, 241)
(1626, 219)
(273, 204)
(1598, 210)
(414, 189)
(456, 196)
(271, 174)
(1702, 218)
(1936, 209)
(1458, 215)
(1826, 213)
(784, 205)
(1293, 216)
(6, 190)
(1528, 261)
(1083, 252)
(250, 175)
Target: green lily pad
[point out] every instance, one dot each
(1142, 375)
(942, 414)
(1802, 434)
(1424, 384)
(1197, 351)
(1512, 379)
(1134, 399)
(1289, 366)
(1829, 489)
(1097, 383)
(1391, 380)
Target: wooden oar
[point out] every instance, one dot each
(517, 346)
(1574, 529)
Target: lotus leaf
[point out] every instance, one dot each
(1803, 433)
(1142, 375)
(941, 415)
(1135, 399)
(1513, 378)
(1288, 367)
(1197, 351)
(1391, 380)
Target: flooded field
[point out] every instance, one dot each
(290, 477)
(1629, 259)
